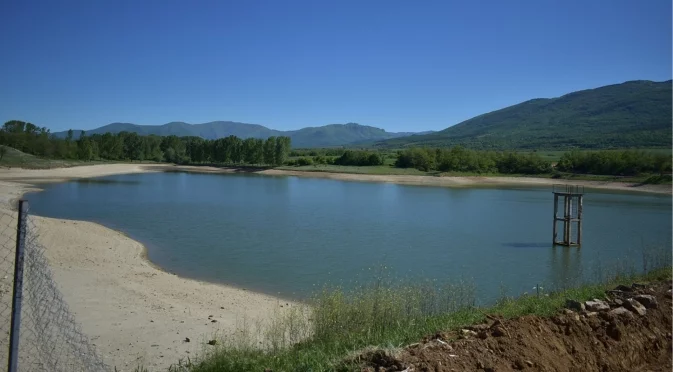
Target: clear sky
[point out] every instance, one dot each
(399, 65)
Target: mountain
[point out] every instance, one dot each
(324, 136)
(631, 114)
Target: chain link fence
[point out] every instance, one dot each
(49, 338)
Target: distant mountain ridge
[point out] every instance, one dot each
(323, 136)
(632, 114)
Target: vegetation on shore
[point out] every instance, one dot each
(125, 146)
(388, 314)
(635, 166)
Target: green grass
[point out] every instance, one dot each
(16, 158)
(554, 156)
(662, 179)
(19, 159)
(387, 313)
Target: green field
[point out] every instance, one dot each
(18, 159)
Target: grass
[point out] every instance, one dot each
(389, 314)
(16, 158)
(19, 159)
(555, 155)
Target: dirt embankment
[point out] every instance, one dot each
(630, 331)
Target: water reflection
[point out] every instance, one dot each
(526, 245)
(565, 264)
(106, 181)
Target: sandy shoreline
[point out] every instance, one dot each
(137, 314)
(31, 176)
(458, 181)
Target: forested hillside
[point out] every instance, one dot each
(310, 137)
(635, 114)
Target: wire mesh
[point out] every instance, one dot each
(50, 338)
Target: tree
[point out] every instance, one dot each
(3, 152)
(270, 150)
(84, 147)
(34, 140)
(281, 150)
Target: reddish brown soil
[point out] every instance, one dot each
(569, 341)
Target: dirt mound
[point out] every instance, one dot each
(631, 331)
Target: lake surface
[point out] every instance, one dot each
(287, 235)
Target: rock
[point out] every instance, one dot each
(597, 305)
(607, 316)
(618, 302)
(638, 286)
(529, 363)
(623, 288)
(589, 314)
(212, 342)
(468, 332)
(518, 364)
(568, 312)
(214, 321)
(187, 339)
(574, 305)
(480, 364)
(648, 301)
(621, 312)
(482, 335)
(635, 307)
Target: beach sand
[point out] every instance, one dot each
(137, 314)
(134, 313)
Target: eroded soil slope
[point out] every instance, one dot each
(628, 331)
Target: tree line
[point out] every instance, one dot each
(459, 159)
(126, 146)
(625, 162)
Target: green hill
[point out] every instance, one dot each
(324, 136)
(632, 114)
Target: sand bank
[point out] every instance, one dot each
(134, 313)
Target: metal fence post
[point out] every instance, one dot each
(18, 288)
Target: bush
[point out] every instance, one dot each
(459, 159)
(359, 158)
(304, 161)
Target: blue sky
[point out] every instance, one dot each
(399, 65)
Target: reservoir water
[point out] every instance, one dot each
(287, 235)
